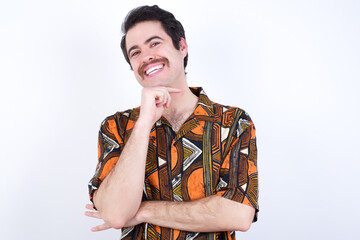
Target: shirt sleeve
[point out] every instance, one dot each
(238, 172)
(110, 145)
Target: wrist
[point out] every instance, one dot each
(144, 212)
(144, 124)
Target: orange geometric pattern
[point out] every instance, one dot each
(214, 153)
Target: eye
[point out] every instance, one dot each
(134, 53)
(155, 44)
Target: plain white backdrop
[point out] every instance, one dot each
(293, 65)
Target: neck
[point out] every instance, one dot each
(183, 102)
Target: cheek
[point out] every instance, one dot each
(138, 79)
(133, 65)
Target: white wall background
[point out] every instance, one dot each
(293, 65)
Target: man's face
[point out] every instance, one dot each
(153, 57)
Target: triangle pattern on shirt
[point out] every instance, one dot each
(161, 161)
(224, 133)
(245, 151)
(195, 152)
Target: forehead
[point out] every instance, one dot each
(142, 31)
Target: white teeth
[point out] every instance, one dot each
(153, 69)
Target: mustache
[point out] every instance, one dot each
(156, 60)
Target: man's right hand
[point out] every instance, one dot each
(153, 102)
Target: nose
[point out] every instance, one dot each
(148, 56)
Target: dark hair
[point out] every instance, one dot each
(150, 13)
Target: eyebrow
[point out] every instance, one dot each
(147, 41)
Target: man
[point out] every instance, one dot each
(179, 166)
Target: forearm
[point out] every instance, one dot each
(210, 214)
(119, 195)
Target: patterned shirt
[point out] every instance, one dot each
(213, 153)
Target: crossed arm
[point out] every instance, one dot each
(210, 214)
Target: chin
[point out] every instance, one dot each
(155, 82)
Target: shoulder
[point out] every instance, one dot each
(232, 114)
(131, 114)
(120, 120)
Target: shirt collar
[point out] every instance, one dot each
(204, 109)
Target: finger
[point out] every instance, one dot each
(90, 207)
(159, 96)
(93, 214)
(172, 90)
(100, 227)
(158, 105)
(168, 100)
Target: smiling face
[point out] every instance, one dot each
(153, 57)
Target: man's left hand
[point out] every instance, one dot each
(96, 214)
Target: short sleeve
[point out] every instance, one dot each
(110, 145)
(238, 179)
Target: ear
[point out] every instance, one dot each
(183, 47)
